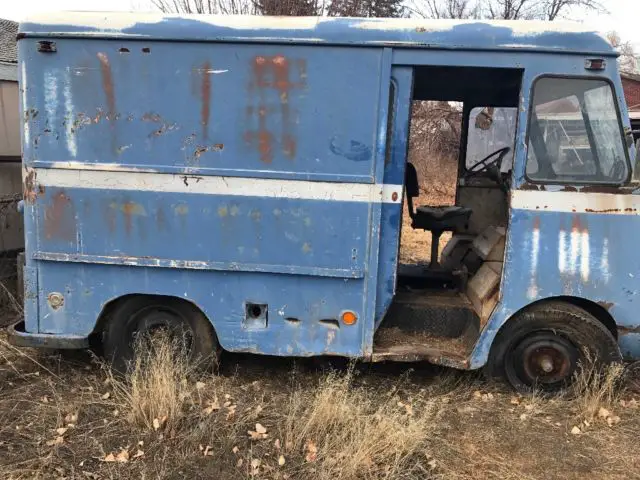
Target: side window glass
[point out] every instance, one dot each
(490, 129)
(574, 133)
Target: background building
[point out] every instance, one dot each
(11, 226)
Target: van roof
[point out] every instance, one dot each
(566, 37)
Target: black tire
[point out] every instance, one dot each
(543, 346)
(140, 315)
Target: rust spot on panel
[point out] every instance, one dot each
(59, 218)
(576, 225)
(274, 73)
(624, 330)
(608, 189)
(128, 209)
(609, 210)
(536, 223)
(569, 188)
(206, 99)
(529, 186)
(29, 186)
(108, 87)
(200, 149)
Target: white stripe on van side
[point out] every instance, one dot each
(217, 185)
(576, 202)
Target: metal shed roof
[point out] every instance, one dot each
(442, 34)
(8, 50)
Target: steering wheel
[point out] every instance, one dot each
(488, 163)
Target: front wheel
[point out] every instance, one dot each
(142, 316)
(544, 345)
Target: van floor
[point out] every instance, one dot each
(435, 325)
(394, 344)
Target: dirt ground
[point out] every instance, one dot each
(68, 417)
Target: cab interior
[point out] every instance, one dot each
(442, 303)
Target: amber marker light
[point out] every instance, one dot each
(349, 317)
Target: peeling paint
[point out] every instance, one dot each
(51, 96)
(70, 138)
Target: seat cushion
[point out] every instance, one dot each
(449, 218)
(441, 213)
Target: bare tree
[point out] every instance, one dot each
(627, 59)
(445, 9)
(502, 9)
(242, 7)
(223, 7)
(552, 9)
(295, 8)
(366, 8)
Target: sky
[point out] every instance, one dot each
(623, 16)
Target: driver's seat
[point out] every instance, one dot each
(435, 219)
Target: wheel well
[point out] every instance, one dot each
(110, 307)
(598, 311)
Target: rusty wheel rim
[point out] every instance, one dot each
(543, 359)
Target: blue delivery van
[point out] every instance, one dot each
(244, 179)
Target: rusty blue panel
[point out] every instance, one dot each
(570, 254)
(220, 295)
(236, 110)
(230, 174)
(190, 230)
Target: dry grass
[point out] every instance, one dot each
(155, 391)
(595, 389)
(349, 434)
(268, 418)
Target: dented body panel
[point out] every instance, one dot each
(262, 162)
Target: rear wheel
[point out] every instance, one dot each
(139, 317)
(544, 346)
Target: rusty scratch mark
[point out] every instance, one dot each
(206, 99)
(108, 87)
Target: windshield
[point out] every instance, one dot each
(575, 133)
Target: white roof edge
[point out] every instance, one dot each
(113, 21)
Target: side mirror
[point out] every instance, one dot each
(484, 119)
(628, 134)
